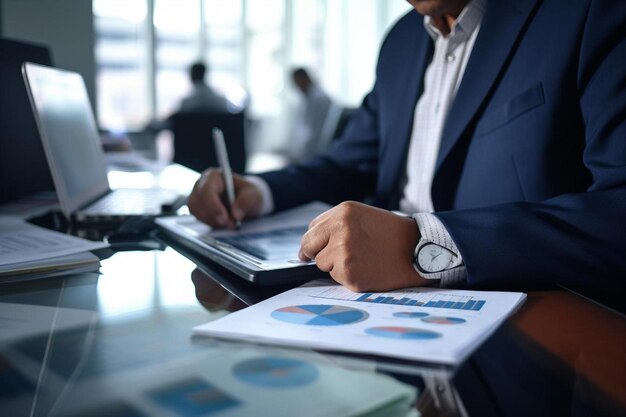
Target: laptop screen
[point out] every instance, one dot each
(69, 134)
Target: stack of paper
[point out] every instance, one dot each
(29, 251)
(424, 324)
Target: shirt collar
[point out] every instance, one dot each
(465, 24)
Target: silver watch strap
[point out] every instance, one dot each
(432, 230)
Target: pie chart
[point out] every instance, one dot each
(275, 372)
(443, 320)
(410, 314)
(407, 333)
(319, 315)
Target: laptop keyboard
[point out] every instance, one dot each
(132, 202)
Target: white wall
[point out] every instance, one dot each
(66, 26)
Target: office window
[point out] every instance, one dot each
(122, 70)
(264, 22)
(177, 44)
(144, 48)
(306, 42)
(224, 47)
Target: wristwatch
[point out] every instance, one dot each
(436, 255)
(430, 258)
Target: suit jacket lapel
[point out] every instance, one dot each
(500, 28)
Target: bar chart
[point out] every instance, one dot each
(408, 298)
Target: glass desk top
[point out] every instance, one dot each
(119, 343)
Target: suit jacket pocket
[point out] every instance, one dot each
(518, 105)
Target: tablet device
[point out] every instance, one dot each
(264, 251)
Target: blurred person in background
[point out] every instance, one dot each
(309, 118)
(202, 97)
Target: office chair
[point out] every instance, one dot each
(193, 140)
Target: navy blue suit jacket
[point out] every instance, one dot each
(530, 179)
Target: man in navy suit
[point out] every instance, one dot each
(499, 126)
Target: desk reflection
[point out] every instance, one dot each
(120, 344)
(213, 296)
(154, 368)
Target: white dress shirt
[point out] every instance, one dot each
(442, 79)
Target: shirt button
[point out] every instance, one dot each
(450, 57)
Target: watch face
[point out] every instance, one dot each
(434, 258)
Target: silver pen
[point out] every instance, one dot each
(227, 173)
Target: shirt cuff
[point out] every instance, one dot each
(267, 205)
(433, 230)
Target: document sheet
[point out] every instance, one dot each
(423, 324)
(25, 247)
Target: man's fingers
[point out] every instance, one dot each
(205, 201)
(325, 260)
(320, 218)
(316, 238)
(214, 180)
(215, 211)
(247, 203)
(313, 241)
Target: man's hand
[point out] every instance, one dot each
(364, 248)
(205, 201)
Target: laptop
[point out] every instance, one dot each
(264, 251)
(72, 147)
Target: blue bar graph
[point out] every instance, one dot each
(417, 299)
(468, 305)
(364, 297)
